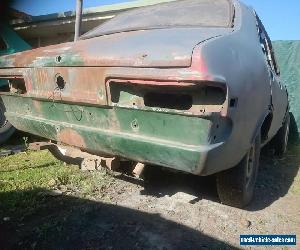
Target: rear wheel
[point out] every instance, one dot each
(236, 185)
(6, 129)
(280, 140)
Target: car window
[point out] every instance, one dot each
(267, 47)
(184, 13)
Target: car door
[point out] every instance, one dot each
(278, 93)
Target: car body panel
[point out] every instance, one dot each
(13, 43)
(105, 99)
(110, 131)
(146, 48)
(10, 43)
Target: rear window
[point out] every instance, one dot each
(185, 13)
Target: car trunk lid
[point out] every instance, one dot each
(171, 47)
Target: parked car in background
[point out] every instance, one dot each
(189, 85)
(10, 43)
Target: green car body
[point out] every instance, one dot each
(11, 43)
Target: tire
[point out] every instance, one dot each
(280, 140)
(235, 186)
(6, 129)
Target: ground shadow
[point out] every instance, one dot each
(276, 176)
(274, 179)
(294, 137)
(18, 138)
(159, 182)
(66, 222)
(19, 141)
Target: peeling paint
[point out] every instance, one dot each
(71, 137)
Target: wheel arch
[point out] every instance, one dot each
(263, 127)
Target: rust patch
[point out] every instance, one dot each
(37, 106)
(71, 137)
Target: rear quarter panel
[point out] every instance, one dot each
(238, 57)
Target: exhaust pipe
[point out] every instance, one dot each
(89, 162)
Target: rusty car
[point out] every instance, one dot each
(189, 85)
(10, 42)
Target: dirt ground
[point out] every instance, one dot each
(164, 211)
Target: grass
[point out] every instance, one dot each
(39, 171)
(30, 213)
(37, 218)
